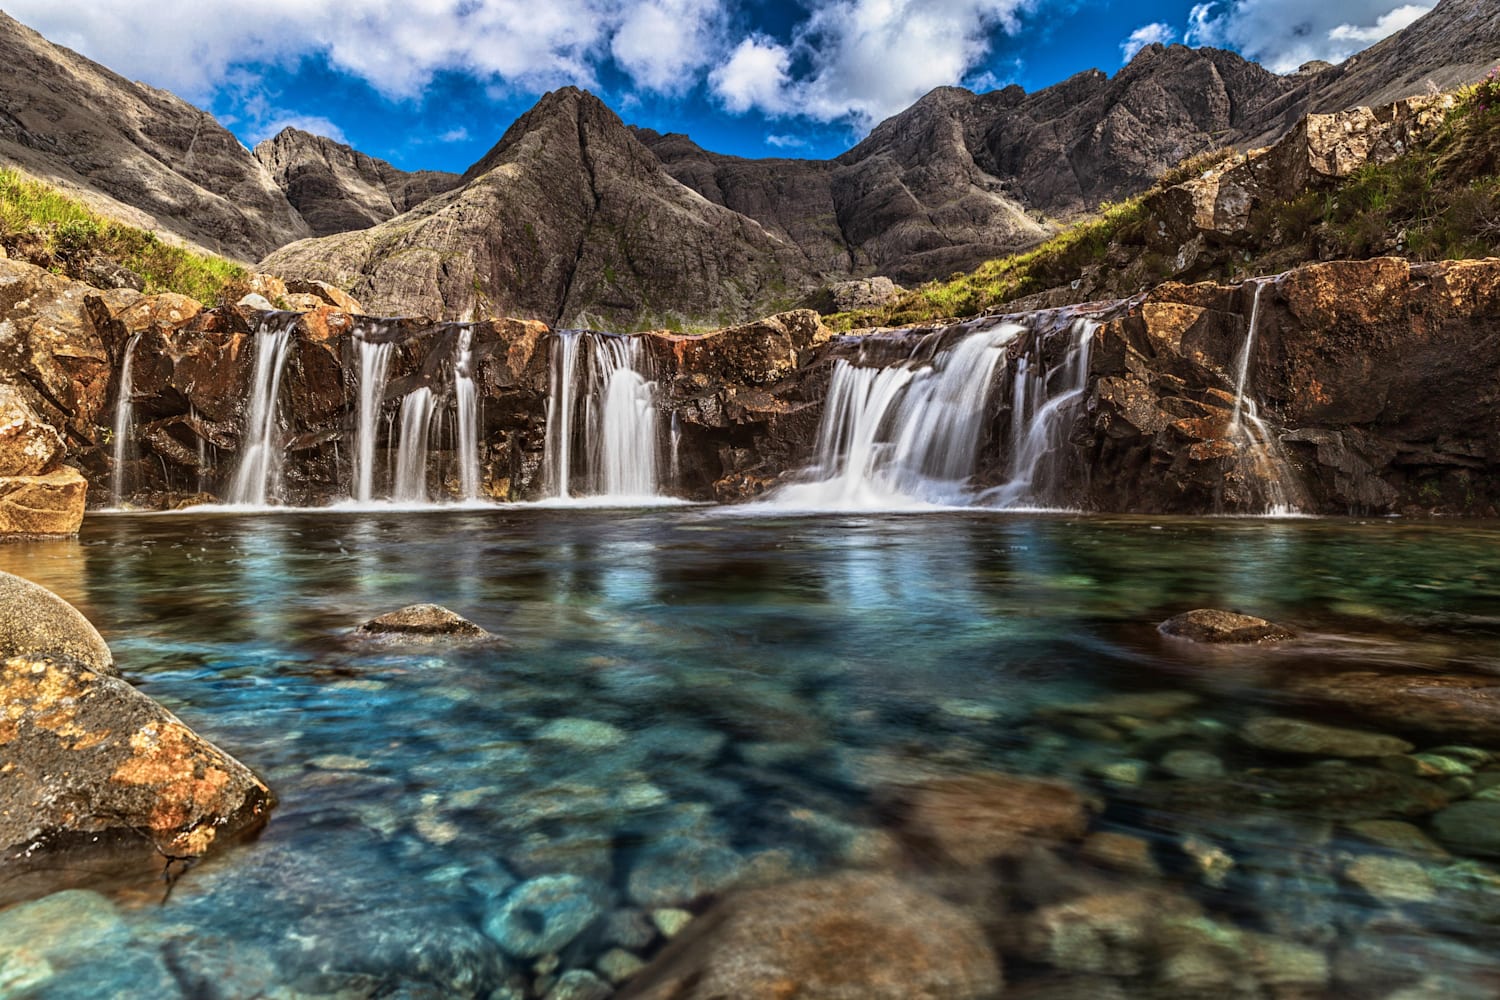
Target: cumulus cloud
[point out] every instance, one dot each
(864, 60)
(1146, 34)
(1284, 34)
(664, 45)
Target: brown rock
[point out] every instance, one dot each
(976, 819)
(1213, 626)
(36, 622)
(1302, 737)
(325, 294)
(1459, 706)
(422, 619)
(847, 937)
(1104, 933)
(46, 505)
(101, 782)
(28, 447)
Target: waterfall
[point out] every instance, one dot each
(905, 433)
(1042, 415)
(374, 362)
(676, 467)
(260, 454)
(615, 417)
(468, 416)
(1260, 456)
(411, 458)
(124, 429)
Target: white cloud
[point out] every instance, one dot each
(864, 60)
(460, 134)
(275, 121)
(1147, 34)
(785, 141)
(666, 44)
(1284, 34)
(755, 76)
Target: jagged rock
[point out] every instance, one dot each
(863, 293)
(69, 119)
(976, 819)
(102, 782)
(1213, 626)
(46, 505)
(422, 619)
(336, 188)
(571, 165)
(851, 935)
(34, 622)
(28, 447)
(322, 293)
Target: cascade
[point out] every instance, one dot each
(411, 458)
(1260, 456)
(124, 429)
(468, 416)
(614, 417)
(905, 433)
(1042, 414)
(374, 363)
(260, 453)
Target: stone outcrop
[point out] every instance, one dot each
(336, 188)
(134, 152)
(100, 775)
(422, 620)
(1214, 626)
(862, 935)
(569, 220)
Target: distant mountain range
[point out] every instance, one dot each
(576, 218)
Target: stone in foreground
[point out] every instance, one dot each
(863, 936)
(974, 819)
(422, 619)
(1213, 626)
(34, 621)
(102, 784)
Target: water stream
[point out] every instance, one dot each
(374, 363)
(124, 429)
(256, 477)
(468, 415)
(601, 407)
(417, 410)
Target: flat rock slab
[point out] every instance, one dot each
(423, 619)
(1223, 627)
(36, 622)
(1447, 706)
(101, 783)
(1300, 737)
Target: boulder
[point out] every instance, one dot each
(34, 621)
(422, 620)
(1470, 828)
(28, 446)
(102, 783)
(312, 294)
(978, 818)
(52, 504)
(1212, 626)
(862, 936)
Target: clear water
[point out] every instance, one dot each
(738, 689)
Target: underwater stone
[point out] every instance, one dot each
(1393, 881)
(584, 734)
(681, 869)
(36, 622)
(1397, 835)
(853, 935)
(422, 619)
(580, 984)
(1297, 736)
(618, 965)
(1192, 764)
(629, 928)
(545, 914)
(1121, 851)
(976, 819)
(1471, 827)
(670, 920)
(1212, 626)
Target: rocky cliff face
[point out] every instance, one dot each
(137, 153)
(569, 219)
(336, 188)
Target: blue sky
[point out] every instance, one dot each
(434, 83)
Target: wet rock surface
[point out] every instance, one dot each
(423, 620)
(1212, 626)
(102, 782)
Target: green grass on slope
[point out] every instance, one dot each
(1440, 201)
(42, 225)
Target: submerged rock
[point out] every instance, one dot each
(100, 780)
(422, 619)
(1301, 737)
(34, 621)
(545, 914)
(1444, 705)
(851, 935)
(1470, 828)
(975, 819)
(1212, 626)
(1327, 792)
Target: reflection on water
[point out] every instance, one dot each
(686, 702)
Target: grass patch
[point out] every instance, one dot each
(44, 226)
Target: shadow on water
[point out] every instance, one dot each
(686, 701)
